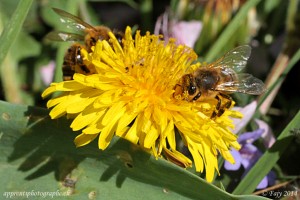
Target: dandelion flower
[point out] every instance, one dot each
(131, 96)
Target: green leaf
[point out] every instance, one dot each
(23, 43)
(269, 158)
(38, 154)
(12, 29)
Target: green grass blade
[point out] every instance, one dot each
(269, 158)
(11, 31)
(230, 30)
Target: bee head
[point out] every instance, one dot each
(189, 84)
(185, 88)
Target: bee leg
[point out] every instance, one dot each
(197, 96)
(220, 112)
(85, 69)
(220, 108)
(229, 102)
(213, 115)
(216, 112)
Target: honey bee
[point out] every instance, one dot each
(218, 79)
(73, 62)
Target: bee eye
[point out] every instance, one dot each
(93, 41)
(192, 90)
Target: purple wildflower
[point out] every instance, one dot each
(47, 72)
(248, 155)
(185, 32)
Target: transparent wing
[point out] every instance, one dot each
(72, 21)
(64, 36)
(235, 59)
(245, 83)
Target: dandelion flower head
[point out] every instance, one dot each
(130, 95)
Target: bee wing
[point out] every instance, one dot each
(235, 59)
(72, 21)
(245, 83)
(64, 36)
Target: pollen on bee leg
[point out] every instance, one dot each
(177, 97)
(177, 92)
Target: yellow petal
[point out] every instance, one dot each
(195, 150)
(57, 100)
(227, 156)
(134, 131)
(117, 47)
(84, 100)
(151, 137)
(106, 135)
(114, 113)
(94, 128)
(160, 119)
(124, 121)
(84, 139)
(170, 134)
(211, 162)
(49, 91)
(177, 158)
(85, 118)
